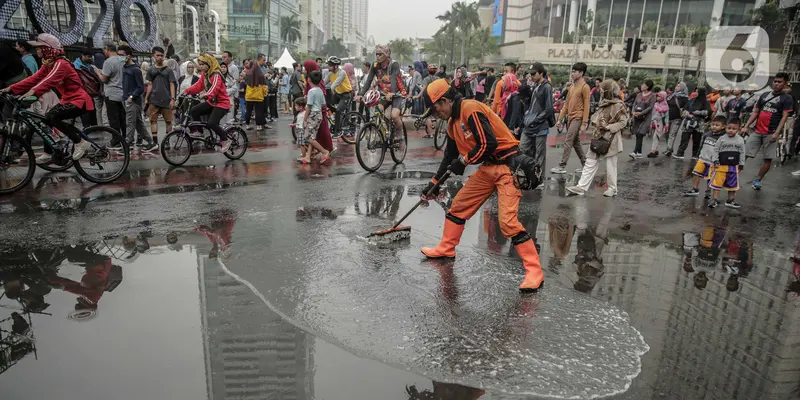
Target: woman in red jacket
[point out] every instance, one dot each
(58, 74)
(217, 101)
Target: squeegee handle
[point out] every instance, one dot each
(433, 189)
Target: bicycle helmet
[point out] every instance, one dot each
(371, 98)
(333, 60)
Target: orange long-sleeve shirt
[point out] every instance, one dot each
(577, 104)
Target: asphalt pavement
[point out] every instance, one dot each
(250, 279)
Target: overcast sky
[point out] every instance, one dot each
(391, 19)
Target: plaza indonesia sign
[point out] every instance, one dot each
(585, 54)
(111, 11)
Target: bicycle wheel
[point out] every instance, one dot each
(238, 143)
(101, 164)
(439, 135)
(370, 147)
(399, 146)
(350, 124)
(17, 163)
(176, 148)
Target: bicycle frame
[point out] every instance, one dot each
(37, 123)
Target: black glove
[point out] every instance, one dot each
(457, 167)
(434, 193)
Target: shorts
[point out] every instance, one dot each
(756, 141)
(301, 140)
(725, 177)
(313, 121)
(702, 169)
(154, 111)
(397, 103)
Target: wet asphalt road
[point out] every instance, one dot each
(256, 299)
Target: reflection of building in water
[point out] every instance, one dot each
(735, 345)
(251, 353)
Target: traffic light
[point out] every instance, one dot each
(638, 48)
(628, 49)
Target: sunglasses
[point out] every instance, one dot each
(378, 54)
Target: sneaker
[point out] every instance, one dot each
(609, 193)
(44, 158)
(708, 195)
(757, 184)
(80, 149)
(694, 158)
(579, 170)
(713, 203)
(150, 148)
(732, 204)
(652, 154)
(796, 173)
(575, 190)
(639, 155)
(558, 170)
(667, 153)
(632, 156)
(225, 146)
(692, 193)
(677, 156)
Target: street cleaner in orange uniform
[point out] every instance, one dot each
(478, 136)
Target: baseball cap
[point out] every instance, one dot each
(46, 40)
(433, 93)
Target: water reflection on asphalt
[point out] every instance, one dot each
(146, 314)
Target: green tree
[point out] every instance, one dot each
(771, 17)
(334, 47)
(438, 48)
(482, 44)
(290, 29)
(465, 18)
(402, 49)
(448, 29)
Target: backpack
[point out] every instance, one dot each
(90, 81)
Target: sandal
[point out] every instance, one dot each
(324, 159)
(302, 161)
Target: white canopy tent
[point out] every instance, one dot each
(285, 60)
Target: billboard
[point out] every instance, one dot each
(499, 17)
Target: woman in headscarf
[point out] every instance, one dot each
(212, 86)
(462, 84)
(642, 115)
(677, 103)
(255, 93)
(144, 67)
(510, 86)
(659, 124)
(324, 132)
(189, 76)
(57, 74)
(231, 86)
(416, 88)
(608, 121)
(174, 67)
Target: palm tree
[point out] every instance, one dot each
(290, 29)
(262, 7)
(448, 29)
(466, 18)
(482, 44)
(334, 47)
(402, 49)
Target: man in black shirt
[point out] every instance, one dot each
(11, 68)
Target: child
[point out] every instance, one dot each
(313, 118)
(728, 163)
(660, 124)
(300, 117)
(703, 167)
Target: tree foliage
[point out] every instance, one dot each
(334, 47)
(290, 29)
(402, 50)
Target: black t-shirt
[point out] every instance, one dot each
(487, 86)
(10, 63)
(771, 107)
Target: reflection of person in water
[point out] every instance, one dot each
(707, 246)
(444, 391)
(219, 233)
(94, 283)
(383, 203)
(592, 239)
(794, 287)
(560, 230)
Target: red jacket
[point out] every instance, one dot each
(62, 77)
(217, 93)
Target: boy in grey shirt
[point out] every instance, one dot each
(728, 159)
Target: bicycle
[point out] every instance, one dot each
(100, 164)
(351, 121)
(378, 135)
(179, 144)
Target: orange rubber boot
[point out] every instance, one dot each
(534, 277)
(450, 238)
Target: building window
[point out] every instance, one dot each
(241, 6)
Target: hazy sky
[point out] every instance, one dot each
(390, 19)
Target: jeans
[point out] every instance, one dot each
(535, 146)
(242, 107)
(135, 125)
(100, 110)
(573, 141)
(639, 141)
(116, 115)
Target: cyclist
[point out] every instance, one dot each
(432, 68)
(341, 88)
(390, 84)
(217, 104)
(58, 74)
